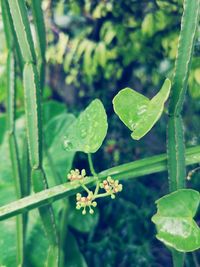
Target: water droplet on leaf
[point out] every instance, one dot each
(67, 144)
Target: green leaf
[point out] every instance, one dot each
(148, 25)
(129, 105)
(8, 243)
(153, 112)
(8, 227)
(51, 109)
(74, 258)
(88, 131)
(174, 220)
(36, 255)
(57, 162)
(100, 54)
(139, 113)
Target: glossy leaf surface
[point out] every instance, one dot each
(139, 113)
(88, 131)
(174, 220)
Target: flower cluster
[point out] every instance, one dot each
(111, 186)
(84, 202)
(88, 202)
(75, 175)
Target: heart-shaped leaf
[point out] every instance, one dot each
(174, 220)
(88, 131)
(139, 113)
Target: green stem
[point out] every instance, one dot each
(97, 188)
(134, 169)
(176, 154)
(93, 172)
(32, 98)
(102, 195)
(13, 46)
(26, 169)
(178, 258)
(63, 232)
(91, 165)
(40, 38)
(85, 188)
(176, 145)
(10, 32)
(14, 155)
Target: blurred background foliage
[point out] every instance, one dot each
(94, 49)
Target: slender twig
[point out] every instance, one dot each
(85, 188)
(93, 172)
(91, 165)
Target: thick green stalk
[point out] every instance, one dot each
(131, 170)
(189, 24)
(40, 37)
(22, 29)
(176, 144)
(33, 114)
(10, 32)
(6, 22)
(176, 154)
(33, 119)
(26, 177)
(176, 147)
